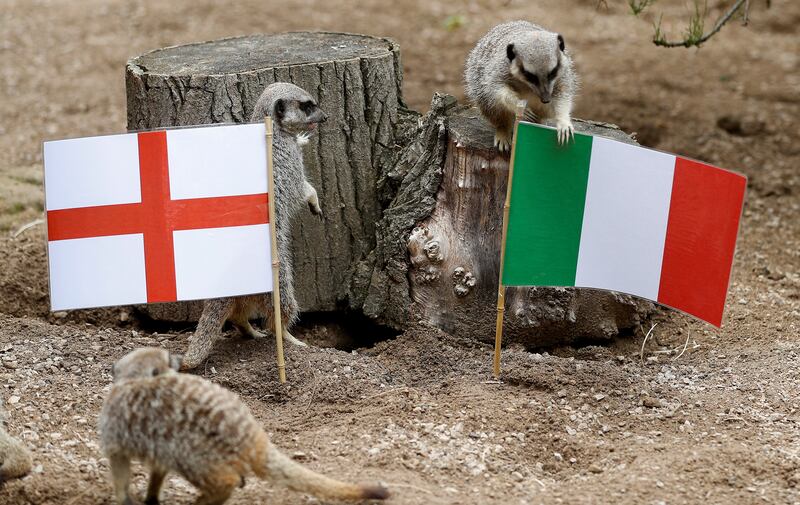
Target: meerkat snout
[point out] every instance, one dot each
(541, 72)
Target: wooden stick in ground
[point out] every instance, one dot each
(501, 289)
(276, 291)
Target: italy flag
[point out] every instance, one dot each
(599, 213)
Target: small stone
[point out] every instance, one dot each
(650, 402)
(13, 399)
(561, 393)
(595, 468)
(558, 456)
(599, 397)
(518, 476)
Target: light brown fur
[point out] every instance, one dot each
(185, 424)
(15, 458)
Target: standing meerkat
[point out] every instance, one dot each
(295, 114)
(185, 424)
(15, 458)
(521, 61)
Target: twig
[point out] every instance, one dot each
(692, 41)
(685, 345)
(26, 227)
(641, 353)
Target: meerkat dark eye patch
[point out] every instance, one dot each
(510, 52)
(280, 109)
(307, 106)
(553, 72)
(560, 42)
(530, 77)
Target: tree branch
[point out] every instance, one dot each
(697, 41)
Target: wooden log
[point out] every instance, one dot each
(356, 79)
(412, 203)
(454, 252)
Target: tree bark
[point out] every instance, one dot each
(356, 79)
(455, 254)
(412, 204)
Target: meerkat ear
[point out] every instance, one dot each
(280, 108)
(560, 42)
(175, 361)
(510, 52)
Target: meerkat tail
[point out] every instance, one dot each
(293, 475)
(215, 313)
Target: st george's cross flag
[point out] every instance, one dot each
(599, 213)
(157, 216)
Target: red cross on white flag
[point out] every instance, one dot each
(157, 216)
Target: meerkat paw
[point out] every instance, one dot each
(502, 141)
(312, 199)
(303, 138)
(247, 331)
(565, 131)
(315, 209)
(530, 116)
(293, 340)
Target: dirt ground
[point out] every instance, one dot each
(698, 415)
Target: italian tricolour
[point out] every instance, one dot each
(600, 213)
(157, 216)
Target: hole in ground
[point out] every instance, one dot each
(345, 331)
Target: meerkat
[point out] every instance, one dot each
(295, 114)
(183, 423)
(15, 458)
(522, 61)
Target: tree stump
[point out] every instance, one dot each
(412, 203)
(455, 254)
(356, 79)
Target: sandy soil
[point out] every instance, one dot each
(718, 423)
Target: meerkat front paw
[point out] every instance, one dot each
(502, 140)
(303, 138)
(565, 131)
(312, 199)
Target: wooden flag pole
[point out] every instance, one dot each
(501, 289)
(276, 261)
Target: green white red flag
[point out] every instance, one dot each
(599, 213)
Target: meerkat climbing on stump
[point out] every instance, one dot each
(185, 424)
(521, 61)
(296, 114)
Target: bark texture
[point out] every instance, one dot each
(412, 203)
(356, 80)
(455, 254)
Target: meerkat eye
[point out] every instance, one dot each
(307, 106)
(531, 77)
(155, 372)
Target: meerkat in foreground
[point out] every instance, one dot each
(521, 61)
(185, 424)
(295, 114)
(15, 458)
